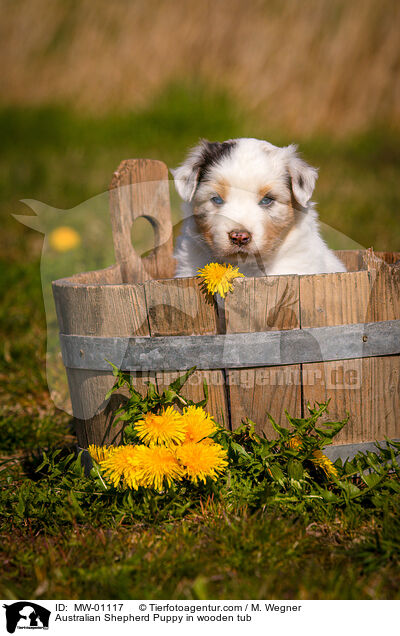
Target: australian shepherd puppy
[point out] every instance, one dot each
(247, 203)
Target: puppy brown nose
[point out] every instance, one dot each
(239, 238)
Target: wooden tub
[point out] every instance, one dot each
(276, 343)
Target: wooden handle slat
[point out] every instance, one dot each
(140, 188)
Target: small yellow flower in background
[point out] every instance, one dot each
(156, 465)
(100, 453)
(166, 428)
(318, 457)
(295, 442)
(201, 460)
(198, 424)
(322, 461)
(64, 238)
(217, 277)
(120, 466)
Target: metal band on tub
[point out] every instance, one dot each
(232, 351)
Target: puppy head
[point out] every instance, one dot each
(244, 194)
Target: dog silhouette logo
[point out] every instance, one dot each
(26, 615)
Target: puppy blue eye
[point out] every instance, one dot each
(217, 200)
(265, 201)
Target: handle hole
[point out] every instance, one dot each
(142, 235)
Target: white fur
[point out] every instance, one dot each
(285, 236)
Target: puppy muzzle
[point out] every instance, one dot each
(239, 237)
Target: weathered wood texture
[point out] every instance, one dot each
(351, 259)
(108, 276)
(389, 257)
(368, 388)
(106, 310)
(140, 187)
(262, 304)
(179, 307)
(97, 303)
(137, 297)
(354, 260)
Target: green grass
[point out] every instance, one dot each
(61, 538)
(213, 556)
(63, 159)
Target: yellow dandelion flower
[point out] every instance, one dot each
(64, 238)
(166, 428)
(295, 442)
(201, 460)
(217, 277)
(100, 453)
(198, 424)
(155, 466)
(323, 462)
(120, 466)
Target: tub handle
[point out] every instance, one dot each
(140, 187)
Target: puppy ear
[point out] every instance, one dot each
(187, 175)
(302, 176)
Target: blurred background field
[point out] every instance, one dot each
(86, 84)
(308, 66)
